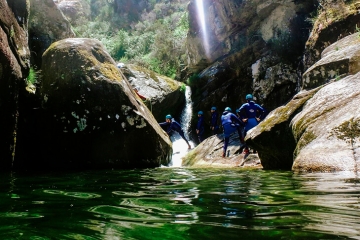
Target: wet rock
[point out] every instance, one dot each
(90, 116)
(273, 138)
(164, 95)
(339, 59)
(14, 67)
(209, 154)
(47, 25)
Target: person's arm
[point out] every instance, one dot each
(164, 124)
(234, 118)
(261, 111)
(241, 111)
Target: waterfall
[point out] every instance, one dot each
(187, 112)
(180, 148)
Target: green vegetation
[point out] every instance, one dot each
(182, 88)
(357, 30)
(152, 36)
(32, 77)
(12, 32)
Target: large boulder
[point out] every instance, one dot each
(164, 95)
(91, 116)
(273, 137)
(327, 130)
(209, 154)
(47, 25)
(14, 67)
(342, 57)
(319, 129)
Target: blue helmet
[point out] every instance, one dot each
(168, 116)
(249, 97)
(228, 109)
(200, 113)
(213, 108)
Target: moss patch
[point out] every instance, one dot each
(189, 159)
(301, 124)
(331, 13)
(284, 113)
(153, 75)
(347, 131)
(306, 138)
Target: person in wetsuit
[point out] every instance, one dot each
(214, 127)
(171, 125)
(200, 126)
(230, 123)
(251, 114)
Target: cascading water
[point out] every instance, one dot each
(180, 147)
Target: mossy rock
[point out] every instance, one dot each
(273, 137)
(327, 130)
(91, 116)
(164, 95)
(338, 60)
(334, 20)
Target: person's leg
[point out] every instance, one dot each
(200, 135)
(241, 133)
(228, 129)
(183, 137)
(215, 130)
(245, 147)
(226, 142)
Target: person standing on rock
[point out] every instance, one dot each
(214, 121)
(171, 125)
(230, 123)
(200, 126)
(250, 114)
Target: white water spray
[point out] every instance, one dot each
(180, 147)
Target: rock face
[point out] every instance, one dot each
(208, 154)
(341, 58)
(273, 138)
(328, 129)
(91, 117)
(164, 95)
(14, 67)
(47, 25)
(249, 47)
(324, 134)
(335, 20)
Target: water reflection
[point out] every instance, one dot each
(178, 203)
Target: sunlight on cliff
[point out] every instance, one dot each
(203, 31)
